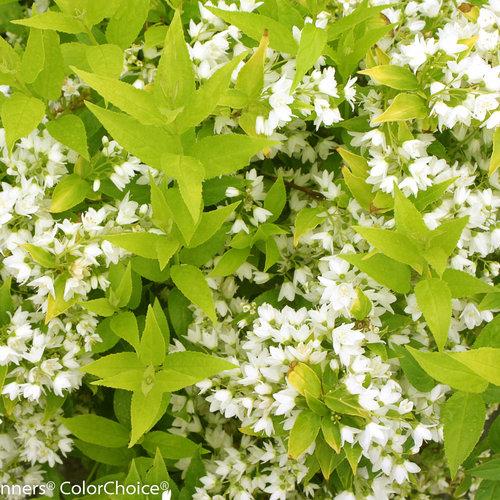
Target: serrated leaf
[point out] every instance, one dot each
(152, 347)
(144, 410)
(113, 364)
(40, 256)
(97, 430)
(462, 284)
(191, 282)
(275, 199)
(495, 155)
(101, 307)
(52, 20)
(305, 221)
(404, 107)
(70, 191)
(105, 59)
(396, 77)
(463, 417)
(124, 325)
(483, 361)
(70, 130)
(171, 446)
(434, 300)
(303, 433)
(443, 368)
(127, 22)
(408, 219)
(251, 76)
(20, 115)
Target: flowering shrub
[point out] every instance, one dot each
(251, 248)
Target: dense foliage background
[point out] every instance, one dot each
(251, 248)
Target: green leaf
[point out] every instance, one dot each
(113, 364)
(495, 155)
(179, 313)
(488, 490)
(105, 59)
(197, 365)
(143, 244)
(331, 433)
(225, 154)
(129, 380)
(312, 43)
(127, 22)
(191, 282)
(34, 56)
(57, 305)
(147, 142)
(434, 300)
(230, 262)
(52, 20)
(359, 188)
(404, 107)
(174, 81)
(189, 173)
(327, 458)
(20, 116)
(394, 245)
(344, 403)
(70, 130)
(409, 220)
(255, 25)
(251, 76)
(70, 191)
(101, 306)
(171, 446)
(40, 256)
(125, 326)
(487, 470)
(303, 433)
(304, 380)
(396, 77)
(414, 373)
(463, 418)
(210, 223)
(276, 199)
(122, 292)
(443, 368)
(6, 304)
(483, 361)
(432, 194)
(139, 104)
(490, 334)
(305, 221)
(144, 410)
(152, 347)
(10, 63)
(97, 430)
(382, 269)
(462, 284)
(205, 99)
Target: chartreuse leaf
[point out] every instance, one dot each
(205, 99)
(171, 446)
(152, 347)
(147, 142)
(230, 261)
(162, 322)
(303, 433)
(137, 103)
(489, 335)
(404, 107)
(124, 325)
(101, 306)
(69, 192)
(327, 458)
(276, 199)
(98, 430)
(191, 282)
(483, 361)
(210, 223)
(34, 56)
(304, 380)
(312, 43)
(113, 364)
(394, 245)
(331, 432)
(463, 418)
(70, 130)
(105, 59)
(128, 380)
(5, 301)
(40, 256)
(413, 371)
(144, 409)
(225, 154)
(361, 190)
(255, 25)
(52, 20)
(396, 77)
(127, 22)
(196, 364)
(90, 11)
(408, 219)
(144, 244)
(495, 155)
(118, 457)
(445, 369)
(20, 115)
(174, 82)
(121, 293)
(57, 304)
(434, 300)
(432, 194)
(487, 470)
(305, 221)
(188, 172)
(10, 64)
(251, 76)
(356, 163)
(462, 284)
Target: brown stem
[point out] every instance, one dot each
(290, 184)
